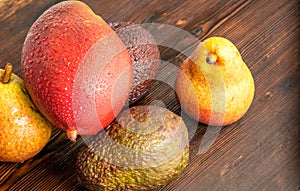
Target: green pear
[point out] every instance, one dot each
(23, 130)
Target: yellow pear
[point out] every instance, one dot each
(214, 85)
(23, 130)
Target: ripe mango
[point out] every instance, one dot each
(74, 67)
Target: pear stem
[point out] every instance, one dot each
(7, 73)
(211, 58)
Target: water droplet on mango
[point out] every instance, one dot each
(45, 27)
(37, 36)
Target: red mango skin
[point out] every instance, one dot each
(54, 49)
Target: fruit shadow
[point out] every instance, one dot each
(54, 166)
(62, 164)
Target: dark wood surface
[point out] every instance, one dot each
(259, 152)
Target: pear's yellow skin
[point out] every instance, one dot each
(23, 131)
(214, 85)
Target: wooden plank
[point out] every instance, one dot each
(259, 152)
(8, 8)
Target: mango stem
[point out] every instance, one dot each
(7, 73)
(72, 135)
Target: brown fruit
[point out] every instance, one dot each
(144, 55)
(146, 147)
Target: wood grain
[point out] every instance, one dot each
(259, 152)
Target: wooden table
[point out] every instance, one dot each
(259, 152)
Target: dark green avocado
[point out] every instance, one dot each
(144, 148)
(145, 57)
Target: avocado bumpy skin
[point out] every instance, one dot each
(144, 148)
(145, 57)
